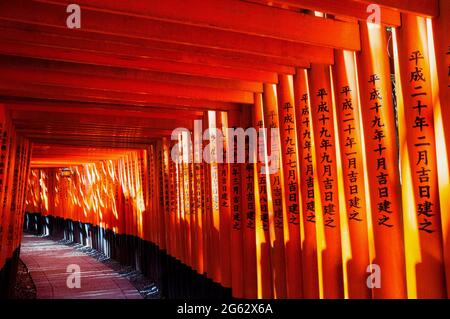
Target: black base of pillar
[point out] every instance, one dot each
(173, 279)
(8, 275)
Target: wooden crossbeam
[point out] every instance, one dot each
(237, 16)
(41, 75)
(106, 59)
(82, 141)
(133, 74)
(45, 149)
(98, 109)
(61, 155)
(161, 61)
(69, 124)
(138, 48)
(341, 8)
(104, 139)
(426, 8)
(44, 14)
(10, 90)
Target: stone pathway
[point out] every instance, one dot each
(47, 261)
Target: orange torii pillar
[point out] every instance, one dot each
(194, 212)
(305, 155)
(167, 195)
(156, 209)
(276, 192)
(180, 207)
(127, 196)
(5, 152)
(174, 205)
(290, 175)
(348, 119)
(10, 196)
(328, 199)
(143, 157)
(224, 202)
(135, 182)
(199, 180)
(24, 168)
(185, 207)
(441, 38)
(262, 229)
(378, 119)
(212, 149)
(249, 210)
(177, 206)
(207, 213)
(186, 184)
(13, 229)
(161, 196)
(418, 108)
(237, 223)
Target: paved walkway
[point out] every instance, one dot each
(47, 262)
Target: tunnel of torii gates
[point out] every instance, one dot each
(359, 207)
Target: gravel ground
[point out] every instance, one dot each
(24, 287)
(145, 286)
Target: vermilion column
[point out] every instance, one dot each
(143, 158)
(153, 212)
(186, 201)
(180, 209)
(237, 218)
(207, 223)
(276, 193)
(9, 195)
(173, 205)
(348, 119)
(207, 216)
(13, 205)
(262, 229)
(119, 198)
(418, 107)
(216, 250)
(289, 157)
(224, 203)
(126, 198)
(199, 180)
(167, 194)
(441, 38)
(162, 192)
(4, 151)
(23, 179)
(15, 196)
(150, 218)
(193, 211)
(378, 119)
(249, 213)
(305, 155)
(325, 152)
(132, 217)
